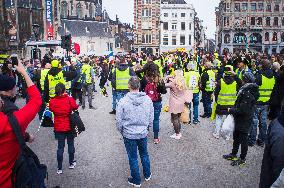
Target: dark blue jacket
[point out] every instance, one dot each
(273, 157)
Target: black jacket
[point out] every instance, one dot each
(203, 79)
(273, 157)
(277, 94)
(223, 110)
(258, 79)
(244, 107)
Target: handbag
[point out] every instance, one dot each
(76, 124)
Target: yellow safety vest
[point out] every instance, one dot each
(144, 63)
(122, 78)
(158, 63)
(210, 84)
(86, 70)
(228, 94)
(191, 80)
(266, 88)
(53, 81)
(43, 74)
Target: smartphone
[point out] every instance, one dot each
(14, 61)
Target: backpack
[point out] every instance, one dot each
(76, 124)
(27, 171)
(151, 91)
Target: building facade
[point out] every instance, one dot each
(177, 25)
(250, 25)
(147, 19)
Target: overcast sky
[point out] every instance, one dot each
(205, 11)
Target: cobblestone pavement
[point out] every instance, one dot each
(194, 161)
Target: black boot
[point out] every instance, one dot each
(113, 111)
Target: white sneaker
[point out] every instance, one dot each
(59, 171)
(227, 138)
(216, 135)
(176, 136)
(72, 166)
(149, 178)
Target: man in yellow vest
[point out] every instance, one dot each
(225, 96)
(192, 79)
(242, 67)
(87, 76)
(207, 86)
(54, 76)
(119, 80)
(266, 81)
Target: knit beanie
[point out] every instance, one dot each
(6, 83)
(248, 77)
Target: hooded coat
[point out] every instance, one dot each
(134, 115)
(244, 107)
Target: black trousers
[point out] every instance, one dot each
(77, 93)
(240, 138)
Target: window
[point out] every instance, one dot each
(268, 8)
(259, 21)
(237, 7)
(166, 14)
(252, 20)
(189, 39)
(275, 22)
(182, 15)
(260, 6)
(182, 26)
(268, 21)
(146, 38)
(64, 9)
(283, 21)
(146, 13)
(182, 40)
(166, 26)
(253, 6)
(266, 36)
(276, 8)
(146, 2)
(165, 40)
(244, 6)
(79, 10)
(274, 38)
(226, 21)
(174, 26)
(174, 15)
(282, 37)
(190, 25)
(227, 39)
(190, 14)
(174, 40)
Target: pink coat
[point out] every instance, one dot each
(178, 98)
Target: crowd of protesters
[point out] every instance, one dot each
(250, 87)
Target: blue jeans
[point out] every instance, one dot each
(195, 106)
(114, 98)
(120, 95)
(156, 122)
(259, 119)
(131, 147)
(61, 137)
(206, 99)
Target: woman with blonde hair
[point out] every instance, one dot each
(178, 97)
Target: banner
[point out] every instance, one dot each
(49, 20)
(11, 19)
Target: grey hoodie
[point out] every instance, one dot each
(134, 115)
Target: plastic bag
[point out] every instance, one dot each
(228, 125)
(184, 118)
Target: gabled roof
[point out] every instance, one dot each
(79, 28)
(174, 2)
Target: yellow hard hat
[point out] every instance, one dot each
(55, 63)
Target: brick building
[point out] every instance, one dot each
(147, 25)
(255, 25)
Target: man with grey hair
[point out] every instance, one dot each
(134, 115)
